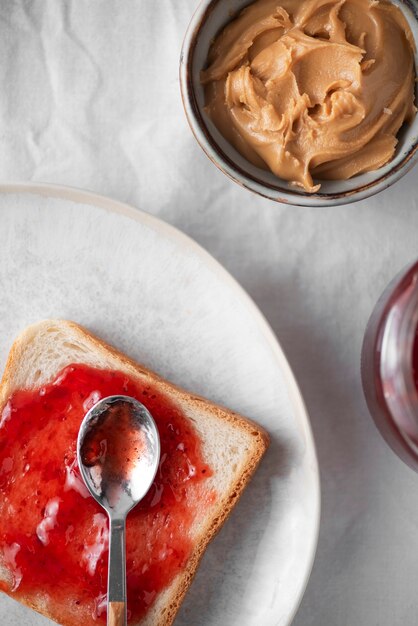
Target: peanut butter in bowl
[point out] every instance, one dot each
(313, 89)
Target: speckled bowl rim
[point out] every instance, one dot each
(235, 172)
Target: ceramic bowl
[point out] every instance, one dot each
(210, 17)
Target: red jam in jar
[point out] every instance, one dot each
(390, 365)
(54, 535)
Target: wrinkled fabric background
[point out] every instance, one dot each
(90, 98)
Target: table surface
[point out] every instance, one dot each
(91, 99)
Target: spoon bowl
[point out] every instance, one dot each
(118, 451)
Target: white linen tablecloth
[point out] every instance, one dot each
(90, 98)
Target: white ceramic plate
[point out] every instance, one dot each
(152, 292)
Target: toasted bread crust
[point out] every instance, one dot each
(171, 598)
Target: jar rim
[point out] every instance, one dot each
(396, 357)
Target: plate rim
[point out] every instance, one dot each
(84, 196)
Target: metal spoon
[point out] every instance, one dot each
(118, 451)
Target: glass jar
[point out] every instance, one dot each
(389, 365)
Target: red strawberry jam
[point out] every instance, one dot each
(415, 359)
(53, 534)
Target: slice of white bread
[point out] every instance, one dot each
(231, 445)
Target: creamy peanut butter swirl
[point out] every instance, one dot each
(313, 88)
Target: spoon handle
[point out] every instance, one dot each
(116, 609)
(116, 614)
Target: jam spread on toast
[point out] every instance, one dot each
(54, 535)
